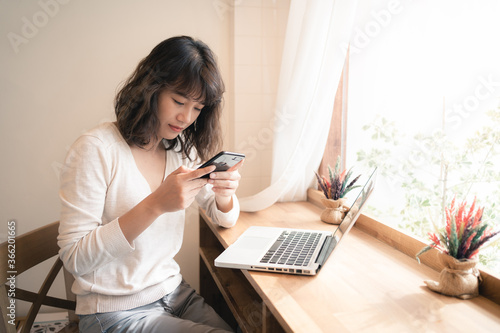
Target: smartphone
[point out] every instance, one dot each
(223, 161)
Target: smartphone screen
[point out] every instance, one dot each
(223, 161)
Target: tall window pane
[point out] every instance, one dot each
(424, 88)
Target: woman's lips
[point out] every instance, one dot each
(175, 128)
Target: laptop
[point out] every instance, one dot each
(289, 250)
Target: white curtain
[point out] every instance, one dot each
(313, 58)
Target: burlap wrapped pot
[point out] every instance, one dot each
(334, 210)
(459, 278)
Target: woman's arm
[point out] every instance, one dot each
(85, 242)
(219, 198)
(177, 192)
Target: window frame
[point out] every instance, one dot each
(337, 135)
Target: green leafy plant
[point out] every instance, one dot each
(338, 185)
(427, 167)
(464, 233)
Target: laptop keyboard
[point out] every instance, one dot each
(292, 248)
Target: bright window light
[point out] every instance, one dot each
(424, 88)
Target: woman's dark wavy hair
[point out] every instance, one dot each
(181, 65)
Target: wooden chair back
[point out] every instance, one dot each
(17, 255)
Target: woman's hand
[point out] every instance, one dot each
(225, 184)
(176, 192)
(180, 188)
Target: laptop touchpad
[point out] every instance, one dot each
(252, 242)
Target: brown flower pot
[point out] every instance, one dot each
(334, 210)
(459, 278)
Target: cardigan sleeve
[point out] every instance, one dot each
(206, 200)
(85, 242)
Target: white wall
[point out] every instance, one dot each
(61, 64)
(258, 34)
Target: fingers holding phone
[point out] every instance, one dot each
(225, 183)
(179, 188)
(225, 178)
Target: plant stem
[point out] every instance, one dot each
(481, 167)
(444, 167)
(444, 170)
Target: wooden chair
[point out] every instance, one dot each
(30, 250)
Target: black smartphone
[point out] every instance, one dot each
(222, 161)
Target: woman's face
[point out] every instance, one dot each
(176, 112)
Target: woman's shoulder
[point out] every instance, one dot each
(103, 138)
(104, 134)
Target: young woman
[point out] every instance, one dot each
(124, 189)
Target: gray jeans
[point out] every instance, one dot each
(183, 310)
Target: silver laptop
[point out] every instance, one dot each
(291, 251)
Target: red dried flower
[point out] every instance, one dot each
(464, 233)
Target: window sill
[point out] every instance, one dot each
(409, 245)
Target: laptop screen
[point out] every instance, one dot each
(356, 206)
(355, 209)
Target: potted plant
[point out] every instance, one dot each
(459, 242)
(335, 189)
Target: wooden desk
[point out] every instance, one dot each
(365, 286)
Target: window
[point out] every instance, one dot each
(424, 88)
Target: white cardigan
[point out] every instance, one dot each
(99, 183)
